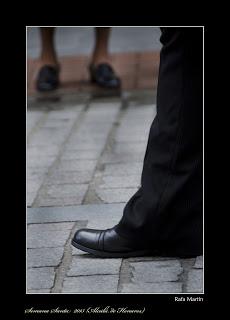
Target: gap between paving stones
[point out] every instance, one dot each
(187, 265)
(75, 126)
(125, 274)
(90, 212)
(91, 195)
(62, 268)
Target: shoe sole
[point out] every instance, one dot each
(106, 254)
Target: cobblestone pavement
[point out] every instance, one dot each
(84, 161)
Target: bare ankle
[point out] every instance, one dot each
(48, 60)
(96, 60)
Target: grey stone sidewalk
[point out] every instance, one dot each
(84, 161)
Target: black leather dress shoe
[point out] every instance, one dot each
(48, 78)
(104, 76)
(107, 244)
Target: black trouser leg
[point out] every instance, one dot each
(166, 211)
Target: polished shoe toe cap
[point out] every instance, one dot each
(87, 238)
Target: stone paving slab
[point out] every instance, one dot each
(122, 157)
(102, 223)
(132, 168)
(46, 150)
(195, 281)
(66, 112)
(32, 119)
(60, 177)
(44, 257)
(39, 291)
(49, 227)
(48, 235)
(41, 161)
(131, 147)
(30, 197)
(163, 287)
(156, 271)
(116, 195)
(40, 278)
(81, 143)
(33, 185)
(94, 266)
(127, 136)
(38, 172)
(81, 155)
(52, 123)
(49, 136)
(74, 213)
(77, 165)
(198, 263)
(109, 182)
(65, 190)
(66, 194)
(65, 201)
(52, 239)
(91, 284)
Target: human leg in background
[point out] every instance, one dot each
(101, 71)
(48, 76)
(165, 215)
(101, 52)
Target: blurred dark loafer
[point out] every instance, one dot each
(104, 76)
(48, 78)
